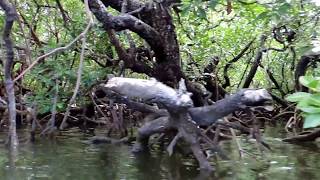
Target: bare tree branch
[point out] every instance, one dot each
(235, 59)
(256, 62)
(126, 21)
(79, 73)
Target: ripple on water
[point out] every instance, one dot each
(285, 168)
(70, 158)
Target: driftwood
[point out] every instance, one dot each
(176, 103)
(151, 90)
(180, 114)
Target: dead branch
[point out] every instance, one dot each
(150, 90)
(181, 114)
(126, 21)
(79, 73)
(176, 103)
(235, 59)
(256, 62)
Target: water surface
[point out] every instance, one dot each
(68, 157)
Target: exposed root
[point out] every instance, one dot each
(304, 137)
(173, 143)
(159, 125)
(236, 140)
(187, 131)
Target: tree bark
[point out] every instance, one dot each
(11, 16)
(154, 24)
(257, 61)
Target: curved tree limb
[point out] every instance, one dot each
(274, 81)
(126, 21)
(235, 59)
(301, 69)
(159, 125)
(132, 5)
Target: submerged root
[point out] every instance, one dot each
(159, 125)
(187, 130)
(304, 137)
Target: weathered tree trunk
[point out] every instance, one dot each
(153, 23)
(11, 16)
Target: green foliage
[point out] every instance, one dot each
(308, 103)
(224, 35)
(52, 31)
(205, 29)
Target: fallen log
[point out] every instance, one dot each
(181, 115)
(152, 91)
(176, 102)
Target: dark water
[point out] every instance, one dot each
(68, 157)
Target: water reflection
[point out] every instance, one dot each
(70, 158)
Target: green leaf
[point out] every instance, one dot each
(185, 9)
(304, 49)
(310, 82)
(298, 96)
(303, 103)
(213, 3)
(310, 109)
(305, 80)
(202, 13)
(263, 15)
(284, 8)
(311, 121)
(314, 100)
